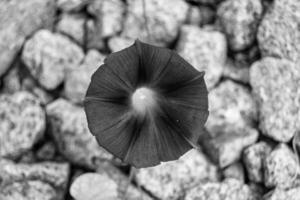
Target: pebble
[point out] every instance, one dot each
(280, 194)
(71, 5)
(236, 171)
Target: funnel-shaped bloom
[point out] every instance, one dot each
(146, 105)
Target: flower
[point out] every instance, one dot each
(146, 105)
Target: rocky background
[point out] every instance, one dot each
(250, 50)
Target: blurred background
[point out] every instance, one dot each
(249, 49)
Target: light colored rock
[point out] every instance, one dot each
(239, 20)
(48, 55)
(205, 50)
(170, 180)
(236, 171)
(118, 43)
(236, 73)
(230, 189)
(254, 157)
(163, 23)
(280, 194)
(279, 31)
(77, 80)
(18, 20)
(69, 128)
(275, 83)
(71, 5)
(281, 168)
(72, 25)
(22, 123)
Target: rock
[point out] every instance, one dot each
(46, 152)
(278, 33)
(170, 180)
(205, 50)
(72, 25)
(200, 15)
(70, 131)
(279, 106)
(93, 37)
(28, 190)
(254, 157)
(226, 144)
(22, 123)
(280, 194)
(11, 82)
(163, 23)
(236, 73)
(194, 16)
(230, 103)
(118, 43)
(71, 5)
(236, 171)
(239, 20)
(207, 15)
(78, 79)
(48, 55)
(18, 20)
(281, 168)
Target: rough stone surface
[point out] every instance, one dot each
(275, 84)
(236, 72)
(281, 168)
(170, 180)
(239, 20)
(22, 123)
(254, 157)
(78, 79)
(230, 103)
(72, 25)
(28, 190)
(47, 56)
(279, 31)
(119, 43)
(205, 50)
(280, 194)
(236, 171)
(230, 189)
(18, 20)
(71, 5)
(71, 134)
(163, 22)
(226, 144)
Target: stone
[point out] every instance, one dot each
(281, 168)
(229, 189)
(71, 5)
(230, 103)
(18, 20)
(48, 55)
(205, 50)
(118, 43)
(239, 20)
(46, 152)
(225, 146)
(68, 126)
(208, 15)
(280, 194)
(194, 16)
(254, 157)
(170, 180)
(236, 73)
(28, 190)
(161, 25)
(72, 25)
(278, 33)
(279, 107)
(11, 82)
(22, 123)
(78, 79)
(236, 171)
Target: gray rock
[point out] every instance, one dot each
(71, 5)
(22, 123)
(207, 15)
(71, 134)
(118, 43)
(236, 73)
(170, 180)
(226, 144)
(28, 190)
(78, 79)
(200, 15)
(279, 31)
(93, 35)
(230, 103)
(12, 82)
(18, 20)
(72, 25)
(48, 55)
(239, 20)
(281, 168)
(205, 50)
(275, 84)
(254, 157)
(280, 194)
(163, 23)
(46, 152)
(236, 171)
(230, 189)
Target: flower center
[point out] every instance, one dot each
(143, 100)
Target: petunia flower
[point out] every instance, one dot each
(146, 105)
